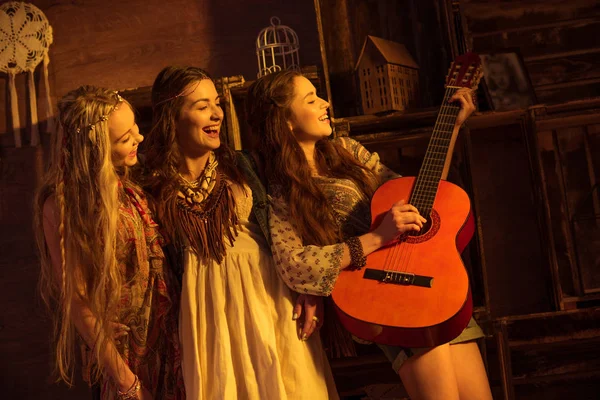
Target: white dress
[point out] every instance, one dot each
(236, 329)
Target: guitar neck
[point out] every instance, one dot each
(427, 182)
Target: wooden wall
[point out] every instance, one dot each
(124, 44)
(558, 40)
(418, 24)
(118, 44)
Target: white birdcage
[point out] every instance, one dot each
(277, 48)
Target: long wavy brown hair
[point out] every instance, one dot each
(82, 181)
(162, 155)
(285, 164)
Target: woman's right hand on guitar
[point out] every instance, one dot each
(401, 218)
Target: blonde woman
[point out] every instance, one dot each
(104, 273)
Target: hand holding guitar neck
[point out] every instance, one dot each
(465, 97)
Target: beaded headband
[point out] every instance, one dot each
(104, 117)
(184, 92)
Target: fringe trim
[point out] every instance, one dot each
(208, 226)
(35, 133)
(50, 128)
(14, 109)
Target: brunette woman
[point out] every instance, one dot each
(236, 329)
(319, 217)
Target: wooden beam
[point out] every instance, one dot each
(324, 55)
(503, 348)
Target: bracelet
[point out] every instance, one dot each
(357, 255)
(132, 392)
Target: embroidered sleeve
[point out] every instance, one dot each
(368, 159)
(304, 269)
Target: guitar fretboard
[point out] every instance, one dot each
(427, 182)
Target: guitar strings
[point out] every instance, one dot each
(433, 167)
(401, 253)
(404, 250)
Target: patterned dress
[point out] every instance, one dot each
(237, 334)
(149, 302)
(314, 269)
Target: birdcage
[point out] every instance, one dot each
(277, 48)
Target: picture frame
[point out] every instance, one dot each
(507, 83)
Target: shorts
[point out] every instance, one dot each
(397, 355)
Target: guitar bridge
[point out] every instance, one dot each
(398, 278)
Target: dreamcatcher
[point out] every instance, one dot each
(25, 36)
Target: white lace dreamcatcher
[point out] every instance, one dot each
(25, 36)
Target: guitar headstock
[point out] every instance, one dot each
(465, 71)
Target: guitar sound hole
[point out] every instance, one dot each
(424, 230)
(428, 230)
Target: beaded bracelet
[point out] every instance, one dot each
(132, 393)
(357, 255)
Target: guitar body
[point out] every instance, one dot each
(395, 312)
(415, 291)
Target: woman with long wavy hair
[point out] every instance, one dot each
(104, 274)
(236, 321)
(319, 217)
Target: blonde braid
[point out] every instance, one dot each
(64, 353)
(83, 180)
(60, 202)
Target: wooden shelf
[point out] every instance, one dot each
(406, 124)
(425, 118)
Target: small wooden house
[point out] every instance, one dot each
(388, 76)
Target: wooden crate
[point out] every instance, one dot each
(568, 148)
(549, 355)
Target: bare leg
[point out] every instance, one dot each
(449, 372)
(470, 372)
(430, 376)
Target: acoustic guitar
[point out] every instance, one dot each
(415, 291)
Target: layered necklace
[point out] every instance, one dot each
(197, 191)
(206, 211)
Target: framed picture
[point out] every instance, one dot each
(507, 84)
